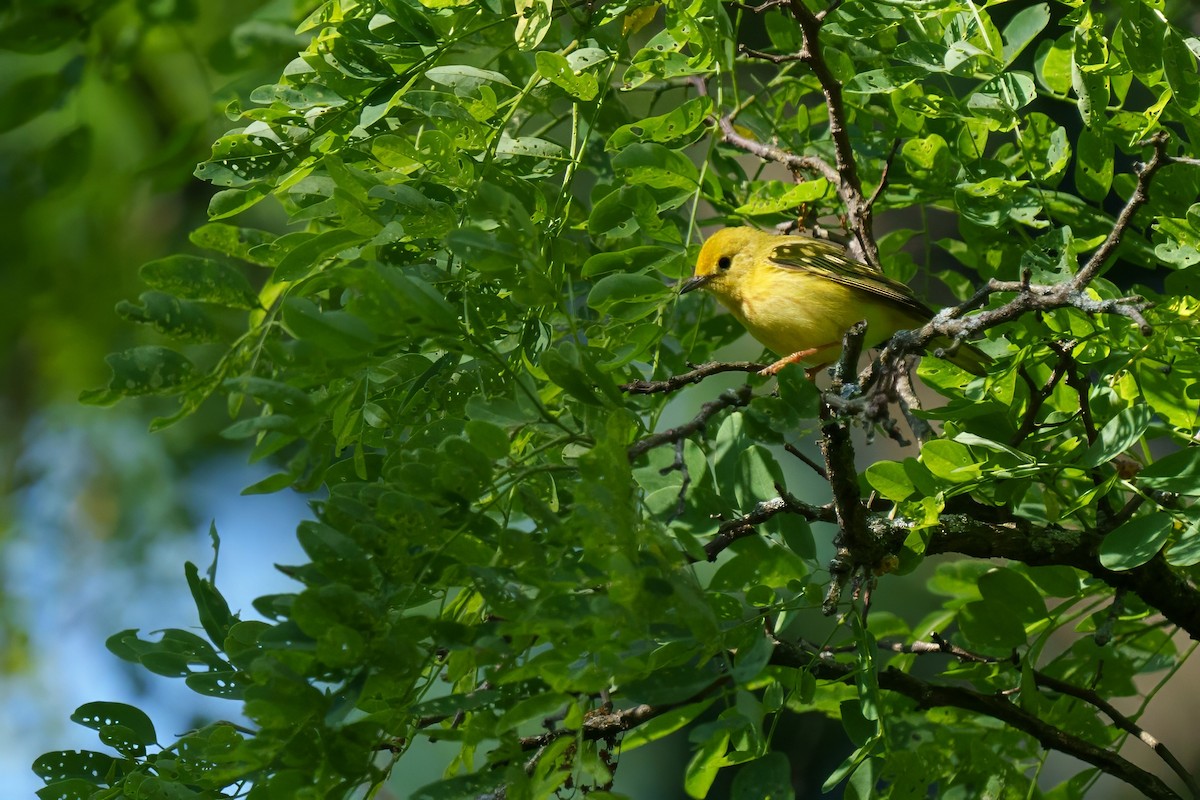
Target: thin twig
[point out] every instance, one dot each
(695, 375)
(858, 211)
(774, 59)
(731, 398)
(770, 152)
(814, 466)
(883, 176)
(909, 402)
(744, 526)
(1141, 193)
(1037, 398)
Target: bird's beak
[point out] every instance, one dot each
(696, 282)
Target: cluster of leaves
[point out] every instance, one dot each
(491, 206)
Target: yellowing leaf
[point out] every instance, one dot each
(638, 18)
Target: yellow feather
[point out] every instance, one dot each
(795, 293)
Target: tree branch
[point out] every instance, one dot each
(1042, 297)
(729, 532)
(1155, 582)
(858, 209)
(931, 695)
(1141, 193)
(770, 152)
(941, 645)
(731, 398)
(695, 375)
(853, 546)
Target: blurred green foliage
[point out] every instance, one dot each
(106, 107)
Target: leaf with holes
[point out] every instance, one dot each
(240, 160)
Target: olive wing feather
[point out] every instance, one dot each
(830, 262)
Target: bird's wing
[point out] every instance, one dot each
(829, 261)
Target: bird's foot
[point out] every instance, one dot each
(796, 358)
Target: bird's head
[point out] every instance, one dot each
(726, 258)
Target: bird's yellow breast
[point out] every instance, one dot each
(789, 310)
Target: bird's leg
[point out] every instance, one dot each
(796, 358)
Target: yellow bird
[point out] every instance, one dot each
(798, 296)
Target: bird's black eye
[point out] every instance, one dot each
(724, 262)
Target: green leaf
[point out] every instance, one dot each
(702, 769)
(177, 654)
(799, 393)
(1135, 542)
(891, 480)
(202, 279)
(1045, 147)
(1142, 34)
(1093, 165)
(29, 97)
(532, 709)
(749, 661)
(214, 612)
(672, 684)
(1118, 434)
(851, 764)
(950, 460)
(230, 202)
(99, 716)
(170, 316)
(230, 240)
(681, 123)
(148, 370)
(241, 159)
(465, 80)
(929, 160)
(766, 778)
(1186, 551)
(772, 197)
(664, 724)
(70, 789)
(528, 146)
(41, 30)
(999, 100)
(1179, 66)
(990, 626)
(1090, 86)
(859, 730)
(99, 769)
(623, 213)
(887, 79)
(338, 333)
(757, 476)
(303, 258)
(1022, 29)
(1053, 64)
(275, 393)
(1015, 592)
(1178, 472)
(632, 260)
(627, 296)
(656, 166)
(533, 22)
(563, 367)
(475, 784)
(557, 70)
